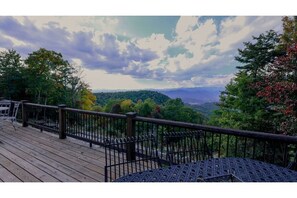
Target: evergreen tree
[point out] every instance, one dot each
(240, 107)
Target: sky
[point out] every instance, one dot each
(140, 52)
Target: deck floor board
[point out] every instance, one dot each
(28, 155)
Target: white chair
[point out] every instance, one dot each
(4, 108)
(11, 117)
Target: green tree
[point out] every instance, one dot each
(12, 80)
(47, 72)
(257, 54)
(126, 106)
(97, 108)
(108, 107)
(239, 106)
(52, 80)
(174, 109)
(145, 108)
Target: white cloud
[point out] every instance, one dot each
(15, 41)
(156, 42)
(236, 30)
(185, 24)
(199, 48)
(99, 79)
(96, 25)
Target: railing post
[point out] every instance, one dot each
(24, 114)
(62, 121)
(131, 133)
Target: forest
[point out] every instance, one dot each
(44, 77)
(261, 97)
(102, 98)
(263, 94)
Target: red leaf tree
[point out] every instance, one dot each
(280, 89)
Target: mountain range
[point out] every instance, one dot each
(193, 96)
(196, 95)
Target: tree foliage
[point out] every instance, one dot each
(240, 107)
(175, 109)
(12, 78)
(280, 90)
(256, 55)
(87, 99)
(289, 36)
(103, 98)
(45, 77)
(263, 95)
(145, 108)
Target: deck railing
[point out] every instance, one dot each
(94, 127)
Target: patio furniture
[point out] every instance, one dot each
(185, 146)
(4, 108)
(216, 169)
(11, 116)
(129, 155)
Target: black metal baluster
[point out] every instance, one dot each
(212, 142)
(274, 147)
(264, 149)
(244, 151)
(220, 141)
(227, 147)
(254, 148)
(236, 144)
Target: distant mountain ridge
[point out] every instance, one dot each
(196, 95)
(193, 96)
(103, 97)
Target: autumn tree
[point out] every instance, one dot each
(280, 90)
(126, 106)
(289, 35)
(87, 99)
(279, 87)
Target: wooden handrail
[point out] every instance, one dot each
(41, 105)
(113, 115)
(219, 130)
(213, 129)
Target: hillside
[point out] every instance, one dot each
(103, 97)
(205, 109)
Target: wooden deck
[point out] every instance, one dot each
(28, 155)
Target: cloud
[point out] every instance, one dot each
(236, 30)
(76, 45)
(200, 52)
(156, 42)
(185, 24)
(99, 79)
